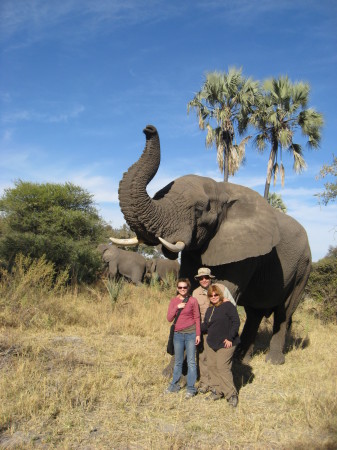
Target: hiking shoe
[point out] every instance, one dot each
(203, 390)
(189, 395)
(233, 401)
(169, 391)
(214, 396)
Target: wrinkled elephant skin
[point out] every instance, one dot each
(162, 269)
(261, 254)
(130, 265)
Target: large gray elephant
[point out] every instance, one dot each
(162, 268)
(262, 255)
(130, 265)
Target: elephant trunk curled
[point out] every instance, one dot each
(144, 215)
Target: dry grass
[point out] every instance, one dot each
(85, 373)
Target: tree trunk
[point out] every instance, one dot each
(270, 166)
(228, 140)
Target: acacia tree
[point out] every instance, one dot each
(279, 113)
(58, 221)
(223, 106)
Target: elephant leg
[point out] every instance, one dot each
(112, 269)
(283, 319)
(275, 354)
(249, 332)
(137, 275)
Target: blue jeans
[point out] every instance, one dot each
(184, 341)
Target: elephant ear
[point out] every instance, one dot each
(248, 227)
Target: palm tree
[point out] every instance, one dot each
(223, 104)
(279, 113)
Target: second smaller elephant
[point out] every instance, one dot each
(162, 268)
(130, 265)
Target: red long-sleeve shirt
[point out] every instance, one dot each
(189, 316)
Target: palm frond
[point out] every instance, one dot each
(299, 162)
(210, 137)
(282, 174)
(275, 172)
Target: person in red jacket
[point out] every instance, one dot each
(186, 336)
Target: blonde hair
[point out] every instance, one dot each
(213, 289)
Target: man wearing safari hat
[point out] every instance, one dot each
(204, 276)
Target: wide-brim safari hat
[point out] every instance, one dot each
(204, 272)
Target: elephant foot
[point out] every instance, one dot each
(276, 358)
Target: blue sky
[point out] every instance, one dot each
(80, 79)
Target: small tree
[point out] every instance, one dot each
(322, 286)
(223, 106)
(59, 221)
(330, 193)
(275, 200)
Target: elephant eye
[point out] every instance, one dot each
(198, 213)
(199, 209)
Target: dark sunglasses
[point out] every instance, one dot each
(214, 295)
(204, 277)
(182, 287)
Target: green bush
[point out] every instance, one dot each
(58, 221)
(322, 286)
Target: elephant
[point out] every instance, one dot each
(162, 268)
(261, 255)
(130, 265)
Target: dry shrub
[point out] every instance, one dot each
(33, 295)
(97, 383)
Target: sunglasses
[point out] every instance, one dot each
(214, 295)
(182, 287)
(204, 277)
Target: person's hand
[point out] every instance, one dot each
(197, 340)
(181, 305)
(227, 343)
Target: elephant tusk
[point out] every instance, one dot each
(176, 248)
(125, 242)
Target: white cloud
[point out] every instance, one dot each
(33, 116)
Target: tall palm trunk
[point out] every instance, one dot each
(270, 166)
(228, 141)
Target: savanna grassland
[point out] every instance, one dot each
(82, 369)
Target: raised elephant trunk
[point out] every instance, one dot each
(144, 215)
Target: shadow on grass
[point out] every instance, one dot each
(242, 374)
(292, 341)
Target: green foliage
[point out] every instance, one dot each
(223, 106)
(330, 193)
(55, 220)
(114, 288)
(322, 286)
(278, 114)
(275, 200)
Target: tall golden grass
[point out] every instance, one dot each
(82, 370)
